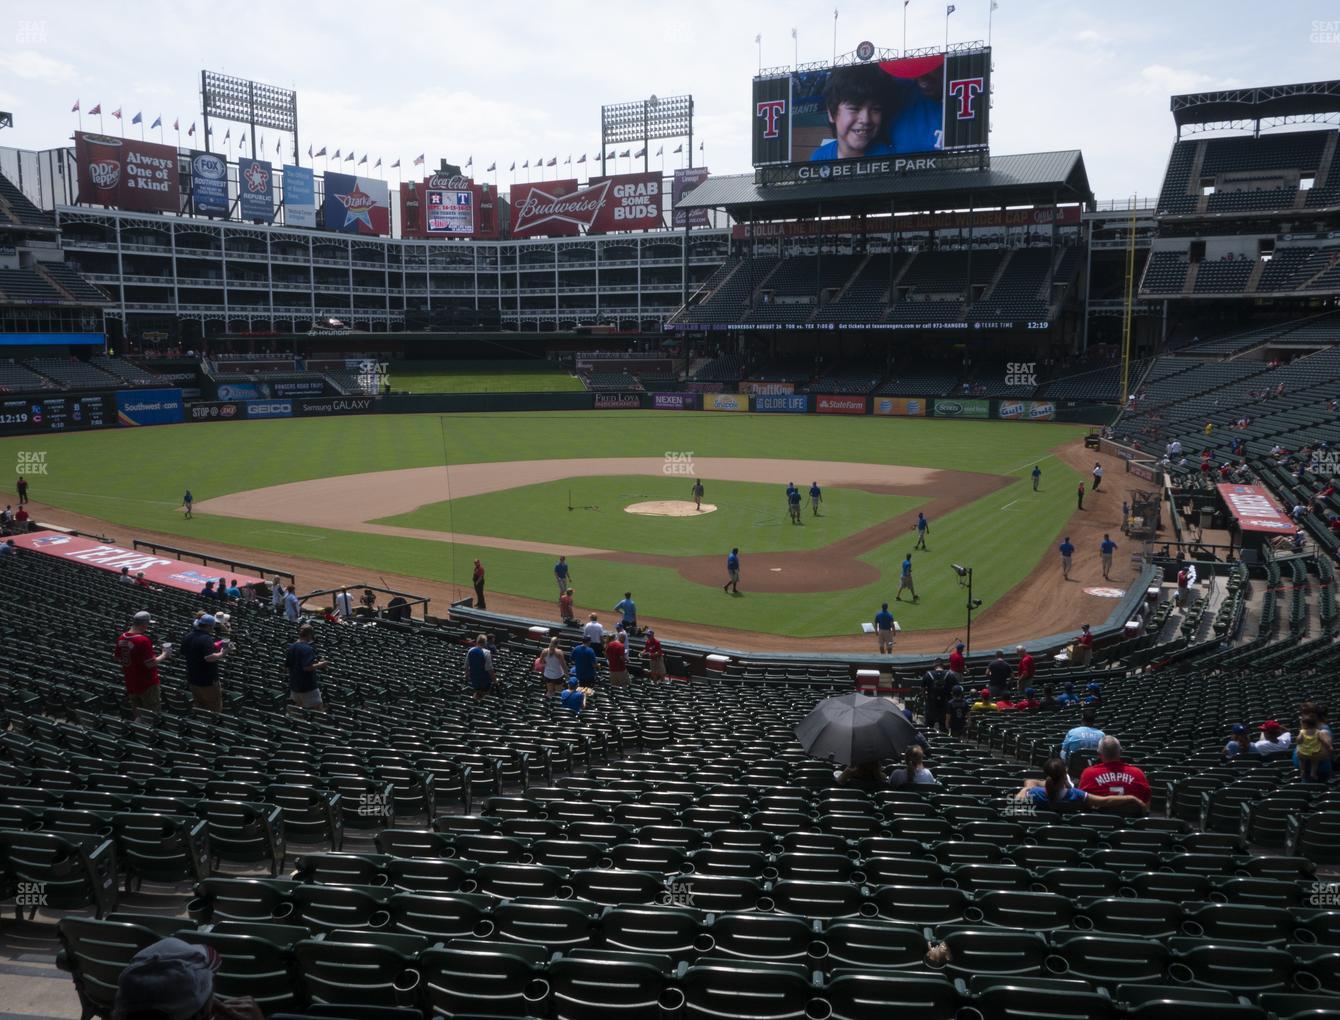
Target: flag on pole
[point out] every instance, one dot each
(418, 160)
(950, 10)
(309, 152)
(350, 156)
(553, 161)
(758, 39)
(228, 135)
(137, 118)
(568, 161)
(176, 123)
(640, 153)
(75, 108)
(470, 161)
(395, 165)
(525, 165)
(158, 122)
(678, 149)
(278, 145)
(583, 159)
(661, 151)
(512, 168)
(492, 168)
(96, 111)
(191, 133)
(321, 153)
(117, 113)
(624, 154)
(363, 160)
(336, 156)
(377, 164)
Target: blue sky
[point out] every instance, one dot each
(518, 80)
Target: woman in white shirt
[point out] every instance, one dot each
(554, 665)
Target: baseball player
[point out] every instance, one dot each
(795, 506)
(816, 497)
(697, 494)
(1037, 476)
(923, 529)
(905, 582)
(187, 502)
(733, 572)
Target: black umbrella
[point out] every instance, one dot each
(854, 729)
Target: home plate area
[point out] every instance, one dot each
(668, 508)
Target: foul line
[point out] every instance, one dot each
(1042, 460)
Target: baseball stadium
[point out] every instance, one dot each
(674, 594)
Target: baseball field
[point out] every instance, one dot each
(421, 496)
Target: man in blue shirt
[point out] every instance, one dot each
(733, 571)
(561, 574)
(573, 698)
(794, 499)
(1105, 550)
(479, 667)
(1238, 742)
(1037, 476)
(919, 125)
(1082, 738)
(303, 664)
(584, 662)
(628, 608)
(884, 628)
(1067, 550)
(816, 497)
(905, 581)
(923, 529)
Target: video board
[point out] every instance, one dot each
(877, 112)
(56, 414)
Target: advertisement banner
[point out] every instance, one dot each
(1026, 410)
(149, 407)
(451, 210)
(298, 388)
(562, 208)
(1011, 409)
(725, 402)
(1255, 510)
(356, 205)
(214, 410)
(299, 197)
(160, 570)
(310, 407)
(961, 408)
(840, 404)
(749, 386)
(613, 401)
(902, 407)
(269, 409)
(674, 401)
(256, 190)
(782, 403)
(411, 211)
(209, 183)
(127, 174)
(56, 414)
(1041, 410)
(239, 391)
(685, 180)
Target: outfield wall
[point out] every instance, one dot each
(44, 413)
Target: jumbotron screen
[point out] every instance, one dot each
(880, 111)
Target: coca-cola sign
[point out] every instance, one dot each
(450, 182)
(625, 202)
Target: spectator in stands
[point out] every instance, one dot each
(1237, 741)
(616, 656)
(140, 582)
(627, 609)
(174, 980)
(957, 663)
(208, 592)
(1274, 738)
(303, 666)
(344, 605)
(573, 697)
(1313, 748)
(857, 99)
(565, 612)
(984, 702)
(277, 596)
(292, 607)
(936, 683)
(139, 664)
(233, 591)
(884, 629)
(479, 668)
(1056, 793)
(1183, 587)
(368, 601)
(584, 662)
(553, 665)
(912, 771)
(594, 631)
(1093, 695)
(1049, 702)
(1084, 646)
(867, 776)
(202, 658)
(477, 579)
(998, 674)
(651, 648)
(1027, 667)
(8, 549)
(21, 518)
(562, 574)
(397, 608)
(1084, 737)
(22, 485)
(1111, 776)
(956, 711)
(124, 577)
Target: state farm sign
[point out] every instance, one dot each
(557, 208)
(839, 404)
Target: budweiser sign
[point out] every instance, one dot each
(625, 202)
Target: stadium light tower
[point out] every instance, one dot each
(965, 578)
(646, 120)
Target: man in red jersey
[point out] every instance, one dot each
(139, 664)
(1112, 777)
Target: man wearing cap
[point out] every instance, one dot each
(174, 980)
(303, 664)
(1084, 646)
(616, 655)
(1082, 738)
(1067, 550)
(139, 664)
(655, 653)
(1237, 741)
(202, 664)
(956, 711)
(1105, 550)
(1027, 667)
(573, 697)
(958, 665)
(1274, 738)
(1110, 776)
(884, 628)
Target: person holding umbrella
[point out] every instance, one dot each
(857, 732)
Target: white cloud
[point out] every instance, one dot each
(33, 66)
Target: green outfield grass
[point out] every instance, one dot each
(481, 377)
(748, 513)
(134, 478)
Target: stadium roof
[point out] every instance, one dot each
(1029, 178)
(1306, 100)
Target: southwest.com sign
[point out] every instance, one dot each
(149, 407)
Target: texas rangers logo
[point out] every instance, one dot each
(257, 178)
(966, 91)
(358, 206)
(40, 543)
(771, 111)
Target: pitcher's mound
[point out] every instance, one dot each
(668, 508)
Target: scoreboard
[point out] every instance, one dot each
(57, 414)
